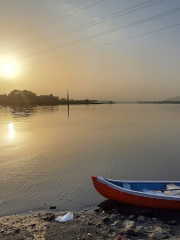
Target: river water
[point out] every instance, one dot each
(47, 159)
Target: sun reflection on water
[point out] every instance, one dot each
(11, 130)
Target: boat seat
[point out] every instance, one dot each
(127, 186)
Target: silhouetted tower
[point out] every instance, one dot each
(68, 101)
(68, 96)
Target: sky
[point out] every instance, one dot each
(49, 46)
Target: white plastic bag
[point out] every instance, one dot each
(65, 218)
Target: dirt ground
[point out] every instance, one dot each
(98, 223)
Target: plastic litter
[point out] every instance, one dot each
(65, 218)
(152, 192)
(119, 237)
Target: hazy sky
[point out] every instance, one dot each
(141, 68)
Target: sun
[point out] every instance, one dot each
(8, 69)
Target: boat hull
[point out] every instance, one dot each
(134, 199)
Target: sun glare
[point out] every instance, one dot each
(11, 130)
(8, 69)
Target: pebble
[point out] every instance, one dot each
(52, 207)
(116, 224)
(172, 222)
(158, 235)
(131, 217)
(106, 220)
(128, 224)
(141, 219)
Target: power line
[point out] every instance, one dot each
(81, 27)
(96, 23)
(103, 33)
(57, 19)
(84, 26)
(106, 44)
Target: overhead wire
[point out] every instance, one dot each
(103, 33)
(83, 26)
(57, 19)
(106, 44)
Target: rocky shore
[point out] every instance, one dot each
(94, 223)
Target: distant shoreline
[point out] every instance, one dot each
(18, 98)
(52, 104)
(158, 102)
(75, 102)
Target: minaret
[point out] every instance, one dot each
(68, 101)
(67, 96)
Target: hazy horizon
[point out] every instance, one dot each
(143, 68)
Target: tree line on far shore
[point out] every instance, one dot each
(28, 98)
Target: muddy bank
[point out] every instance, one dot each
(119, 222)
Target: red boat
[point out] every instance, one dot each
(151, 194)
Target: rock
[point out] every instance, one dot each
(109, 211)
(132, 232)
(143, 235)
(158, 229)
(158, 235)
(90, 223)
(122, 217)
(33, 225)
(52, 207)
(116, 210)
(148, 214)
(147, 229)
(48, 217)
(8, 232)
(132, 217)
(17, 230)
(107, 220)
(154, 220)
(98, 225)
(139, 228)
(115, 217)
(175, 230)
(97, 210)
(116, 224)
(141, 218)
(172, 222)
(149, 221)
(128, 224)
(112, 232)
(141, 232)
(82, 217)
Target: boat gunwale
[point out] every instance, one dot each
(138, 193)
(140, 181)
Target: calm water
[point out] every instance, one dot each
(46, 157)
